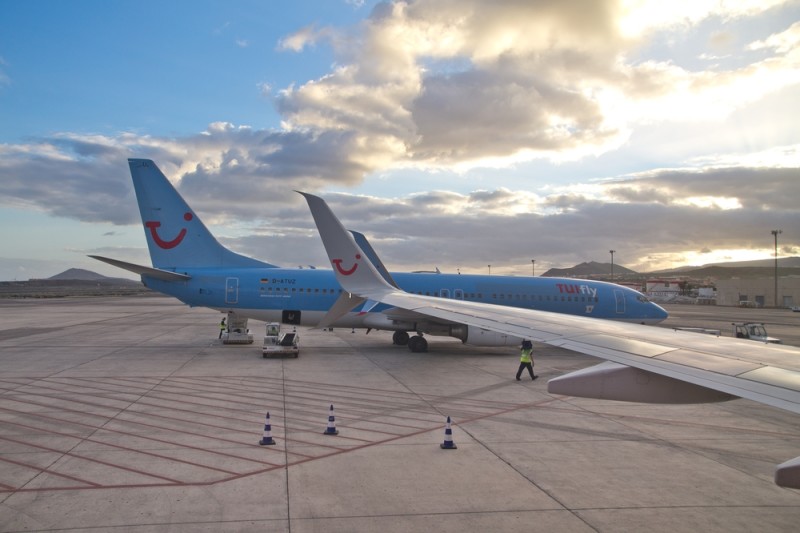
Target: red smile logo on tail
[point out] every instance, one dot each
(338, 264)
(167, 245)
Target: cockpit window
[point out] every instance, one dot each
(642, 298)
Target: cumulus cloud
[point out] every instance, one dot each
(445, 83)
(641, 231)
(643, 218)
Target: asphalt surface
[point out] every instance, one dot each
(127, 414)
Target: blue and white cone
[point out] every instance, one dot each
(267, 439)
(331, 429)
(448, 443)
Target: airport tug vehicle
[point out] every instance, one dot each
(753, 331)
(277, 344)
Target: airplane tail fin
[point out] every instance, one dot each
(176, 237)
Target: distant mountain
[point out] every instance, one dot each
(783, 262)
(79, 274)
(725, 272)
(72, 282)
(787, 266)
(588, 270)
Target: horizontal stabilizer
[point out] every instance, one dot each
(613, 381)
(164, 275)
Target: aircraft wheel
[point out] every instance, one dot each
(418, 344)
(400, 338)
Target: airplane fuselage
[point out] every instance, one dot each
(303, 296)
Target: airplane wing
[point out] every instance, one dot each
(644, 363)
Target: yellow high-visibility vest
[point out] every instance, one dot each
(525, 356)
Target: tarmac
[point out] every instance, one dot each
(128, 414)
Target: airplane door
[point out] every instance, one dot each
(231, 290)
(619, 296)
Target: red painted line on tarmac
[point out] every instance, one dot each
(117, 446)
(225, 393)
(360, 408)
(371, 402)
(11, 380)
(104, 487)
(69, 388)
(109, 417)
(143, 437)
(474, 403)
(182, 400)
(428, 397)
(347, 406)
(112, 381)
(83, 458)
(115, 416)
(141, 401)
(48, 471)
(248, 395)
(688, 423)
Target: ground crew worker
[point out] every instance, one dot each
(222, 327)
(526, 359)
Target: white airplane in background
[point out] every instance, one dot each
(643, 364)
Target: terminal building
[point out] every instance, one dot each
(758, 292)
(664, 289)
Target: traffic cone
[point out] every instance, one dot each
(331, 430)
(448, 443)
(267, 439)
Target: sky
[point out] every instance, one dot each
(524, 135)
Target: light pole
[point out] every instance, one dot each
(775, 233)
(533, 267)
(490, 270)
(612, 263)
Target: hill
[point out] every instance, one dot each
(72, 282)
(589, 270)
(789, 266)
(783, 262)
(725, 272)
(79, 274)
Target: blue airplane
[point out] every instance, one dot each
(192, 266)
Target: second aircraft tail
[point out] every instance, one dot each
(176, 237)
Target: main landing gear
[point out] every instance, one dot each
(416, 344)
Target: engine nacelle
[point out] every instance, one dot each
(382, 322)
(468, 335)
(483, 337)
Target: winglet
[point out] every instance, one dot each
(353, 268)
(363, 243)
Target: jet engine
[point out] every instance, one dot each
(481, 337)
